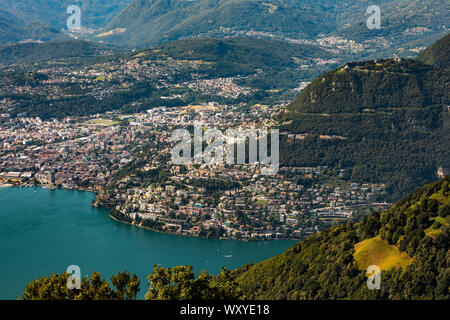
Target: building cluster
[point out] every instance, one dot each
(125, 159)
(105, 79)
(67, 153)
(253, 207)
(225, 87)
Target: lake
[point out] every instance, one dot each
(43, 231)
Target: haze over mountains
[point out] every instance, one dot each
(13, 29)
(45, 20)
(406, 24)
(150, 22)
(95, 13)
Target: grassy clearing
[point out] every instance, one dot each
(262, 202)
(441, 198)
(375, 251)
(432, 232)
(103, 122)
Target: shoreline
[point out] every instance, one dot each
(99, 205)
(197, 237)
(6, 185)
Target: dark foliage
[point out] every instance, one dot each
(390, 121)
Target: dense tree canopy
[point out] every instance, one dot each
(385, 121)
(177, 283)
(94, 287)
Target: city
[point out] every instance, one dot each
(221, 201)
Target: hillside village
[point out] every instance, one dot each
(125, 160)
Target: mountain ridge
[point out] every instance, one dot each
(34, 52)
(391, 113)
(13, 29)
(151, 22)
(437, 55)
(94, 13)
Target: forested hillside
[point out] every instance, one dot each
(406, 24)
(13, 29)
(438, 54)
(384, 121)
(150, 22)
(94, 13)
(21, 53)
(9, 27)
(409, 242)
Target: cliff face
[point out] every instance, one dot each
(135, 219)
(116, 214)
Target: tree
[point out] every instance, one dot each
(127, 287)
(91, 288)
(179, 283)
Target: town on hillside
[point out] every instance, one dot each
(125, 160)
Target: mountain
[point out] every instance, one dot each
(43, 32)
(12, 29)
(94, 13)
(278, 60)
(406, 24)
(384, 121)
(32, 52)
(150, 22)
(409, 242)
(437, 54)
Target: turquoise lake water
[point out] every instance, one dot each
(44, 231)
